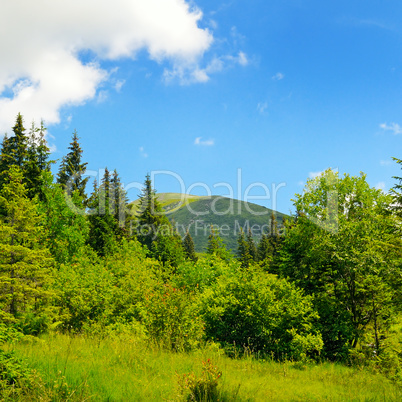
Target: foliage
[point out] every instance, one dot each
(256, 310)
(245, 250)
(72, 169)
(29, 153)
(171, 318)
(37, 160)
(25, 265)
(155, 231)
(216, 246)
(203, 388)
(203, 273)
(66, 227)
(188, 246)
(95, 291)
(349, 262)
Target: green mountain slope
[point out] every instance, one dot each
(227, 215)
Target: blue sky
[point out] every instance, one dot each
(274, 92)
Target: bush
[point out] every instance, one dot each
(263, 313)
(203, 388)
(204, 272)
(171, 318)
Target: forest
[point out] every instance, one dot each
(99, 301)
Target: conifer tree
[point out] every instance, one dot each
(18, 144)
(276, 241)
(37, 160)
(188, 245)
(264, 249)
(72, 169)
(216, 246)
(252, 249)
(24, 262)
(151, 219)
(14, 149)
(103, 225)
(119, 203)
(155, 231)
(5, 157)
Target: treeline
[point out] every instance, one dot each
(328, 286)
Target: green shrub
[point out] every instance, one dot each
(204, 272)
(171, 318)
(203, 388)
(263, 313)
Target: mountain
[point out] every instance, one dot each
(227, 215)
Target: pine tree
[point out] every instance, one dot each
(14, 149)
(155, 231)
(103, 225)
(151, 219)
(216, 246)
(37, 160)
(24, 262)
(188, 245)
(252, 249)
(18, 144)
(119, 204)
(72, 169)
(245, 249)
(5, 158)
(264, 249)
(276, 241)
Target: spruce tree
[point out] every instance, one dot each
(119, 204)
(5, 157)
(188, 245)
(72, 169)
(264, 250)
(151, 218)
(155, 231)
(37, 160)
(19, 144)
(103, 225)
(245, 248)
(252, 249)
(276, 241)
(24, 262)
(216, 246)
(14, 149)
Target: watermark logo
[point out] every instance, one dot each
(238, 201)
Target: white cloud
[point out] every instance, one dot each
(119, 85)
(208, 143)
(385, 163)
(262, 107)
(102, 96)
(41, 42)
(242, 59)
(216, 65)
(278, 77)
(393, 127)
(380, 186)
(143, 153)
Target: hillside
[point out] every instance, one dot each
(227, 215)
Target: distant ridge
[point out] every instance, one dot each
(227, 215)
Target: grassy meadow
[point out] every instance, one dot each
(126, 369)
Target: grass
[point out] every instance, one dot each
(127, 370)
